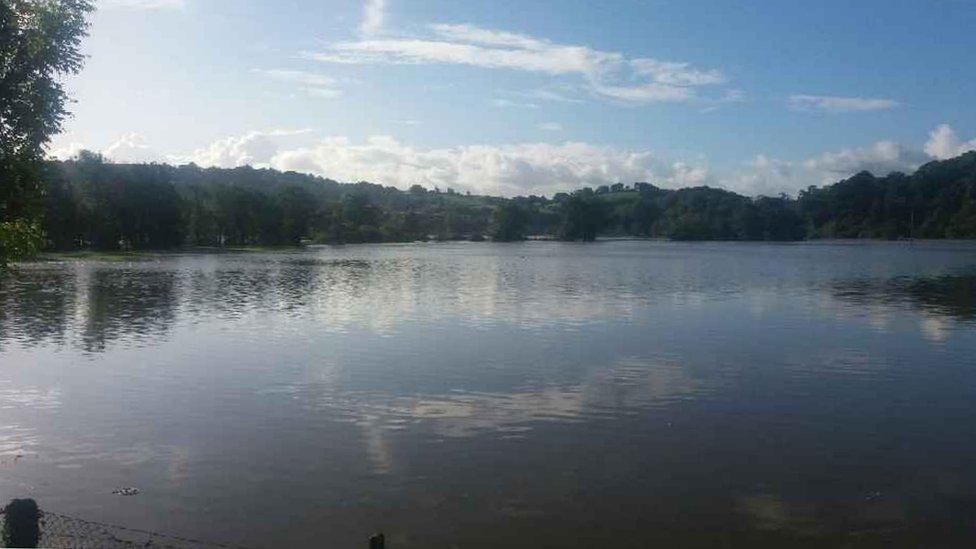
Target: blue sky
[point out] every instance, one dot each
(509, 97)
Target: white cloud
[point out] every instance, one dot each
(550, 95)
(733, 96)
(323, 93)
(131, 148)
(252, 149)
(675, 74)
(298, 77)
(489, 37)
(770, 176)
(880, 159)
(529, 168)
(374, 15)
(142, 4)
(551, 126)
(645, 93)
(837, 104)
(765, 176)
(503, 103)
(943, 143)
(524, 168)
(605, 74)
(315, 84)
(728, 96)
(66, 151)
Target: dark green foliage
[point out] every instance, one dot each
(509, 221)
(583, 216)
(39, 43)
(937, 201)
(91, 203)
(21, 528)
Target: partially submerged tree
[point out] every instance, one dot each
(39, 43)
(584, 215)
(509, 221)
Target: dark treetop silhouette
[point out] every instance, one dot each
(39, 42)
(91, 203)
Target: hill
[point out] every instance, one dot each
(90, 203)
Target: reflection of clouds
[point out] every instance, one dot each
(71, 453)
(942, 301)
(387, 288)
(767, 512)
(380, 295)
(619, 389)
(634, 382)
(178, 464)
(378, 448)
(879, 319)
(16, 441)
(379, 289)
(824, 517)
(608, 392)
(935, 328)
(467, 414)
(12, 398)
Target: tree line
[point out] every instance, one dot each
(91, 203)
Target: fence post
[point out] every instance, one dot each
(377, 541)
(20, 525)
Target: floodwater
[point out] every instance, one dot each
(541, 394)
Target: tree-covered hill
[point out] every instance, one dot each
(90, 203)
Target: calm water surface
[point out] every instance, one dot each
(476, 395)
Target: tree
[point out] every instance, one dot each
(509, 220)
(584, 215)
(39, 43)
(297, 209)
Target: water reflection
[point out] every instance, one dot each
(28, 397)
(719, 388)
(951, 296)
(36, 305)
(119, 303)
(95, 303)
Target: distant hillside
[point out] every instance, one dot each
(90, 203)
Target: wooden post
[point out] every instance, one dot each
(377, 541)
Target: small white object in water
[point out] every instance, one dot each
(126, 491)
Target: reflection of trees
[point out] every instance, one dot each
(235, 289)
(947, 295)
(228, 291)
(950, 295)
(35, 305)
(123, 303)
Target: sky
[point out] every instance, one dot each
(514, 98)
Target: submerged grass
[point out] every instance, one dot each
(91, 255)
(145, 255)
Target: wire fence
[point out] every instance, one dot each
(62, 531)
